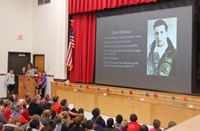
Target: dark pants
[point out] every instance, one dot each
(43, 92)
(11, 89)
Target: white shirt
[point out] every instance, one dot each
(9, 79)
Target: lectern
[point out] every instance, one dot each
(26, 84)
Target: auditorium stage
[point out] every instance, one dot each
(148, 105)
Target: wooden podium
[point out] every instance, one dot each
(26, 84)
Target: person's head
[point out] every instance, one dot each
(119, 118)
(39, 73)
(65, 108)
(15, 120)
(46, 98)
(77, 120)
(156, 124)
(63, 102)
(11, 71)
(7, 104)
(34, 124)
(27, 95)
(38, 96)
(19, 109)
(95, 112)
(35, 117)
(35, 100)
(133, 117)
(144, 128)
(30, 65)
(53, 114)
(55, 99)
(124, 124)
(80, 110)
(46, 115)
(52, 124)
(27, 101)
(64, 114)
(110, 122)
(58, 119)
(23, 69)
(171, 124)
(21, 102)
(36, 70)
(1, 102)
(12, 98)
(89, 124)
(43, 73)
(160, 32)
(99, 120)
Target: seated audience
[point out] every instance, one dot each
(109, 126)
(119, 119)
(6, 109)
(77, 124)
(34, 108)
(37, 117)
(52, 124)
(96, 113)
(59, 124)
(156, 125)
(45, 117)
(56, 106)
(18, 113)
(44, 104)
(133, 125)
(124, 125)
(2, 118)
(65, 107)
(90, 125)
(34, 125)
(98, 124)
(13, 122)
(66, 117)
(25, 112)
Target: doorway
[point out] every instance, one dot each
(39, 61)
(17, 60)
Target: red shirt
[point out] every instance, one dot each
(133, 126)
(26, 115)
(57, 107)
(7, 113)
(22, 119)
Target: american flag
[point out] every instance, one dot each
(71, 46)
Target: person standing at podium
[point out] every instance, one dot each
(30, 70)
(10, 82)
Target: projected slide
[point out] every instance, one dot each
(147, 50)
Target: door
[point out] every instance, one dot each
(17, 60)
(39, 61)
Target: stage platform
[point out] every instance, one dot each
(148, 105)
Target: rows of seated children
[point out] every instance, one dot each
(46, 114)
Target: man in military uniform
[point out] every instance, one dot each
(162, 56)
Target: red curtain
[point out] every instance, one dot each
(80, 6)
(85, 36)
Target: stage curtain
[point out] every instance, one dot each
(84, 26)
(80, 6)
